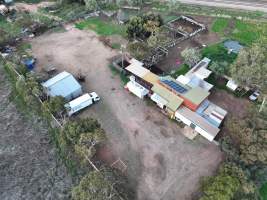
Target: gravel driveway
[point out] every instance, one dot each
(252, 5)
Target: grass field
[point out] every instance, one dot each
(249, 32)
(183, 69)
(263, 191)
(101, 27)
(219, 25)
(246, 32)
(218, 53)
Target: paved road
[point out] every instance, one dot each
(253, 5)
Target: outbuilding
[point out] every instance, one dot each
(231, 84)
(63, 84)
(136, 88)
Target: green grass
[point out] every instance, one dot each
(115, 72)
(218, 53)
(263, 191)
(167, 18)
(249, 32)
(65, 11)
(220, 25)
(101, 27)
(212, 79)
(183, 69)
(8, 30)
(115, 46)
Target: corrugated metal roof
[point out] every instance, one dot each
(235, 46)
(196, 119)
(196, 95)
(173, 100)
(136, 68)
(63, 84)
(151, 78)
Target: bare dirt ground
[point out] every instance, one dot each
(236, 107)
(29, 169)
(161, 161)
(258, 5)
(203, 38)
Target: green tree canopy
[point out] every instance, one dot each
(250, 68)
(106, 184)
(143, 26)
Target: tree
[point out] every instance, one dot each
(219, 68)
(251, 136)
(144, 26)
(85, 147)
(91, 4)
(231, 182)
(250, 69)
(55, 105)
(152, 41)
(191, 56)
(135, 27)
(94, 186)
(106, 184)
(73, 129)
(221, 187)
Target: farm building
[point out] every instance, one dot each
(197, 75)
(63, 84)
(231, 84)
(185, 99)
(233, 46)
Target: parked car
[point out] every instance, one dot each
(254, 96)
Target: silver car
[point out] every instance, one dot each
(254, 96)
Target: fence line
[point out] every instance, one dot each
(60, 125)
(38, 98)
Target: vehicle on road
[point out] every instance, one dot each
(81, 102)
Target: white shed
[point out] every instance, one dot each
(136, 88)
(63, 84)
(232, 85)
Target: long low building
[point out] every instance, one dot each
(197, 123)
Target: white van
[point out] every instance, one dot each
(81, 102)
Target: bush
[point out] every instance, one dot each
(143, 26)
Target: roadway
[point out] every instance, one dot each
(252, 5)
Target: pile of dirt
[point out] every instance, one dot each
(29, 168)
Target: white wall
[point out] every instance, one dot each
(197, 129)
(204, 133)
(183, 119)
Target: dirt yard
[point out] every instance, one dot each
(29, 168)
(236, 107)
(162, 163)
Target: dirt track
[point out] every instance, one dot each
(164, 164)
(29, 168)
(258, 5)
